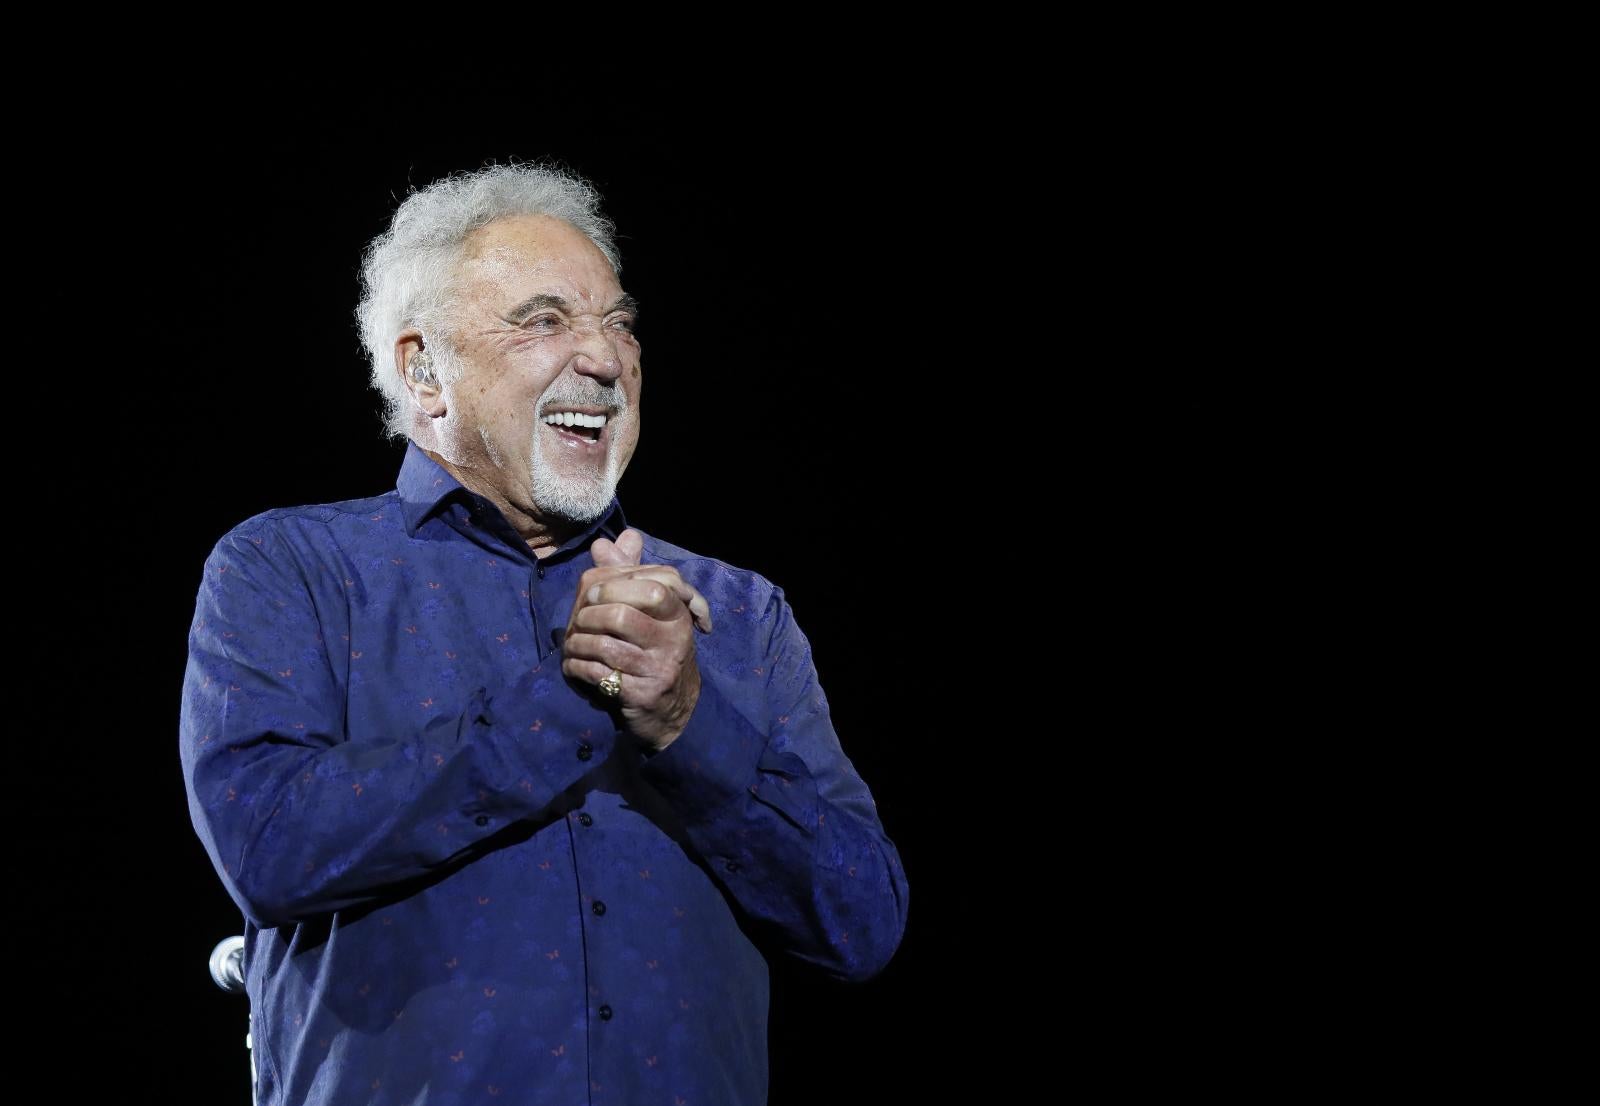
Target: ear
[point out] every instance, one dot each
(417, 375)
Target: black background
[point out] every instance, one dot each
(834, 326)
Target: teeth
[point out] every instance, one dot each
(572, 418)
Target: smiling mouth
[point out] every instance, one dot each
(578, 428)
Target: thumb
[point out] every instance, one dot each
(630, 543)
(604, 551)
(626, 550)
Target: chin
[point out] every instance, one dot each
(577, 497)
(576, 501)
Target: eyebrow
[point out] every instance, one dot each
(527, 307)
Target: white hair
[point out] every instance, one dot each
(407, 272)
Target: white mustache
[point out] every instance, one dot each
(600, 395)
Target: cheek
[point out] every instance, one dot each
(508, 430)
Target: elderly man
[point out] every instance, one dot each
(515, 798)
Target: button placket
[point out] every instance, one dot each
(533, 620)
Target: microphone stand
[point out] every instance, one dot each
(227, 972)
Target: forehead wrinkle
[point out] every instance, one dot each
(519, 267)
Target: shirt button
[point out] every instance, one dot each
(539, 570)
(598, 907)
(586, 820)
(585, 751)
(482, 819)
(732, 865)
(605, 1013)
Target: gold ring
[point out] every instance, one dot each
(611, 686)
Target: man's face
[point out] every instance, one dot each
(544, 329)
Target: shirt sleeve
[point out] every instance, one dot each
(788, 827)
(301, 819)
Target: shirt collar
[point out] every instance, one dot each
(424, 485)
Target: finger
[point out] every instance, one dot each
(633, 626)
(592, 672)
(601, 573)
(604, 647)
(608, 652)
(699, 609)
(665, 573)
(655, 597)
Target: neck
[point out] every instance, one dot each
(543, 534)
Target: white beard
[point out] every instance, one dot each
(578, 498)
(575, 498)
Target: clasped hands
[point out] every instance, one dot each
(640, 620)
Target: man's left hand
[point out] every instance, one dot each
(640, 620)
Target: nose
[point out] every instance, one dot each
(596, 352)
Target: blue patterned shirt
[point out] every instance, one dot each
(460, 881)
